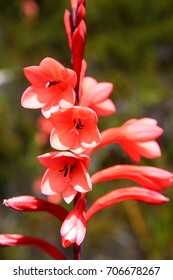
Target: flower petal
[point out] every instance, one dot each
(52, 182)
(81, 180)
(30, 99)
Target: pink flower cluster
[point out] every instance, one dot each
(73, 102)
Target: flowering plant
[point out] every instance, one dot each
(73, 102)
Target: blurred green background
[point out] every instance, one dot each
(129, 43)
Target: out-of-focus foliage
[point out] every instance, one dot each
(129, 43)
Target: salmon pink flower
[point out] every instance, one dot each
(132, 193)
(95, 95)
(74, 129)
(23, 240)
(52, 87)
(66, 174)
(148, 176)
(136, 137)
(73, 228)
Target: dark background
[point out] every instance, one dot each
(129, 43)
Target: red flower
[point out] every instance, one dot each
(137, 138)
(95, 95)
(21, 240)
(75, 129)
(67, 174)
(150, 177)
(33, 204)
(73, 228)
(52, 87)
(135, 193)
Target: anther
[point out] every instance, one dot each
(65, 169)
(79, 124)
(71, 168)
(53, 83)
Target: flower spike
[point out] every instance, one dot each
(71, 104)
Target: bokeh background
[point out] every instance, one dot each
(129, 43)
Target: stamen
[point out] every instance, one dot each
(72, 167)
(53, 83)
(79, 124)
(65, 169)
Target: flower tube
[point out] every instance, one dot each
(23, 240)
(132, 193)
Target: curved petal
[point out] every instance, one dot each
(52, 182)
(90, 136)
(104, 108)
(87, 83)
(30, 99)
(56, 140)
(81, 230)
(68, 194)
(51, 68)
(99, 92)
(34, 75)
(81, 180)
(149, 149)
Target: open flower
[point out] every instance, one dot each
(75, 129)
(52, 87)
(95, 95)
(136, 137)
(66, 174)
(73, 228)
